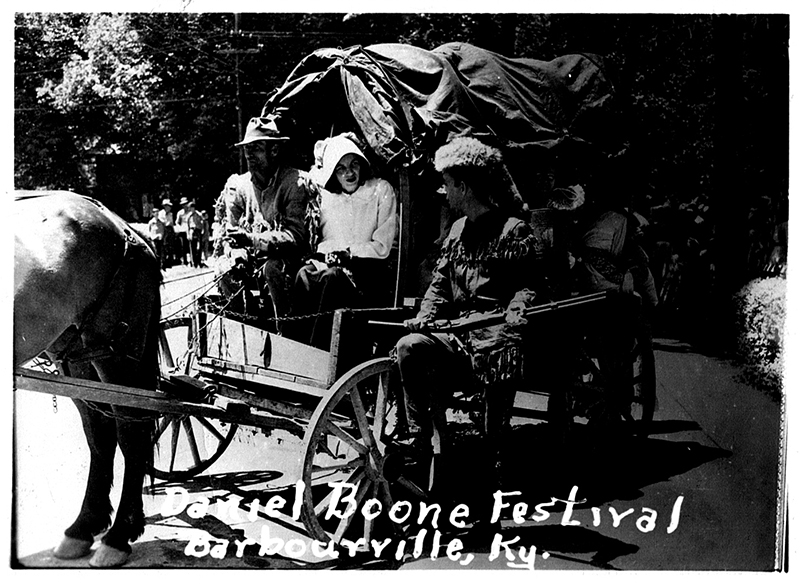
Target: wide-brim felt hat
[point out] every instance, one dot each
(330, 151)
(262, 128)
(184, 201)
(166, 202)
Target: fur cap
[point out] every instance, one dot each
(465, 151)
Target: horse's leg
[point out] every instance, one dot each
(134, 433)
(95, 513)
(132, 430)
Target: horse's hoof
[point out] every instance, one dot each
(72, 549)
(108, 557)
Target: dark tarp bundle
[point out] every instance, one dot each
(407, 101)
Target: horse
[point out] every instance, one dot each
(87, 294)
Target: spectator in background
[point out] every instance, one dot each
(206, 238)
(194, 234)
(181, 231)
(156, 231)
(166, 217)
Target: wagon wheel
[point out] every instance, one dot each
(184, 445)
(349, 439)
(619, 389)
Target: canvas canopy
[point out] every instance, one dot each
(406, 101)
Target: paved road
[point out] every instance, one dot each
(702, 488)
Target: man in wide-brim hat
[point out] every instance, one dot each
(263, 211)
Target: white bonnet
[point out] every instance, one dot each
(328, 153)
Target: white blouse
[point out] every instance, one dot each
(365, 222)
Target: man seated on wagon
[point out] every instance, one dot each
(489, 262)
(262, 213)
(355, 220)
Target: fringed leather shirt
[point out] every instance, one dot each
(483, 265)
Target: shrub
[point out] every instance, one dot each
(761, 315)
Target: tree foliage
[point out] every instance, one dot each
(108, 69)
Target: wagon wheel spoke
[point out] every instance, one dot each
(214, 431)
(192, 441)
(361, 492)
(361, 420)
(354, 478)
(386, 495)
(380, 406)
(163, 424)
(346, 438)
(376, 488)
(412, 488)
(176, 430)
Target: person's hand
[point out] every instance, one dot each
(238, 238)
(337, 258)
(515, 312)
(417, 324)
(239, 257)
(628, 286)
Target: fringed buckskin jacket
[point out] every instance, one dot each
(483, 266)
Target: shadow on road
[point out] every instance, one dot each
(604, 470)
(575, 544)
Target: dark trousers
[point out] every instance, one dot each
(195, 247)
(168, 251)
(317, 293)
(158, 244)
(432, 370)
(182, 245)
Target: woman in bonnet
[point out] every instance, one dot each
(357, 229)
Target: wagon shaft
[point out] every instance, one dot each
(159, 402)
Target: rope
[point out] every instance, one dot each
(183, 308)
(213, 283)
